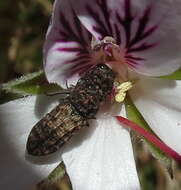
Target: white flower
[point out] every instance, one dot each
(100, 157)
(146, 42)
(17, 119)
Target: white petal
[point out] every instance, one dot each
(101, 158)
(165, 57)
(99, 17)
(149, 30)
(66, 49)
(159, 101)
(17, 119)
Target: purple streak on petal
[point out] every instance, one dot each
(142, 31)
(131, 57)
(68, 44)
(79, 62)
(100, 31)
(82, 62)
(134, 61)
(83, 67)
(118, 35)
(79, 65)
(106, 13)
(101, 28)
(126, 21)
(80, 53)
(80, 57)
(68, 33)
(76, 34)
(133, 64)
(149, 31)
(72, 49)
(79, 29)
(102, 18)
(86, 68)
(144, 46)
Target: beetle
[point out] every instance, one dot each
(73, 113)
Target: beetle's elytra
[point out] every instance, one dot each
(82, 104)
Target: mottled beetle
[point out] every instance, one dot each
(83, 102)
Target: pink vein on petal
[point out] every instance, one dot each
(150, 137)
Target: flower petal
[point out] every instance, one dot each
(102, 158)
(164, 58)
(66, 49)
(17, 119)
(147, 30)
(95, 16)
(158, 100)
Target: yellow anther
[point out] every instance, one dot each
(120, 97)
(122, 88)
(125, 86)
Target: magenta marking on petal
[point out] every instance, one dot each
(133, 61)
(126, 21)
(100, 31)
(118, 35)
(106, 13)
(73, 49)
(142, 47)
(85, 69)
(149, 31)
(102, 18)
(105, 27)
(131, 57)
(79, 65)
(133, 64)
(142, 31)
(150, 137)
(60, 41)
(79, 69)
(100, 28)
(73, 32)
(81, 53)
(78, 62)
(80, 57)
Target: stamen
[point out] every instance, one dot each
(150, 137)
(121, 91)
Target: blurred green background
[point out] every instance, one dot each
(22, 32)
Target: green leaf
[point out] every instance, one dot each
(57, 179)
(57, 173)
(134, 115)
(174, 76)
(6, 97)
(31, 84)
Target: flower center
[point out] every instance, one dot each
(108, 52)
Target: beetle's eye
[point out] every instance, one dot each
(102, 66)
